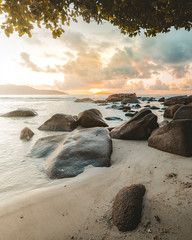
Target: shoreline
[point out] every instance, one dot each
(80, 207)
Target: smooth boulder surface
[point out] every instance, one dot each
(138, 127)
(91, 118)
(60, 122)
(127, 207)
(84, 100)
(170, 111)
(47, 145)
(120, 96)
(184, 112)
(174, 137)
(20, 113)
(72, 152)
(26, 134)
(178, 100)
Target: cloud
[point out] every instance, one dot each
(28, 63)
(131, 59)
(135, 86)
(159, 85)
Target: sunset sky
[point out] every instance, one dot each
(91, 56)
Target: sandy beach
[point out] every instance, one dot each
(80, 207)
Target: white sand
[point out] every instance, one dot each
(80, 208)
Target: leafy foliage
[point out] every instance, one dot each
(154, 16)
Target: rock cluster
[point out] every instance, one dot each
(178, 100)
(120, 96)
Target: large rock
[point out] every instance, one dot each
(84, 100)
(127, 207)
(138, 127)
(26, 134)
(129, 100)
(175, 137)
(91, 118)
(100, 101)
(20, 113)
(69, 153)
(60, 122)
(120, 96)
(178, 100)
(170, 111)
(184, 112)
(162, 99)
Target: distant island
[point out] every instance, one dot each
(11, 89)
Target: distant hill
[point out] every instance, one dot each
(10, 89)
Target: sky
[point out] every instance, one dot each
(91, 58)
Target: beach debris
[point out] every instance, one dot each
(60, 122)
(20, 113)
(138, 127)
(26, 134)
(157, 218)
(171, 175)
(68, 154)
(91, 118)
(170, 111)
(175, 137)
(127, 207)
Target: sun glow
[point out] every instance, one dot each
(98, 91)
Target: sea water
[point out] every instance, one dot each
(19, 171)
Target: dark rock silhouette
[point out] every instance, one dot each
(178, 100)
(127, 207)
(184, 112)
(60, 122)
(170, 111)
(138, 127)
(20, 113)
(84, 100)
(91, 118)
(26, 134)
(120, 96)
(174, 137)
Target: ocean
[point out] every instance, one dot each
(19, 171)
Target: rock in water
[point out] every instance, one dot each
(120, 96)
(84, 100)
(175, 137)
(178, 100)
(20, 113)
(184, 112)
(26, 134)
(127, 207)
(45, 146)
(71, 152)
(170, 111)
(91, 118)
(138, 127)
(60, 122)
